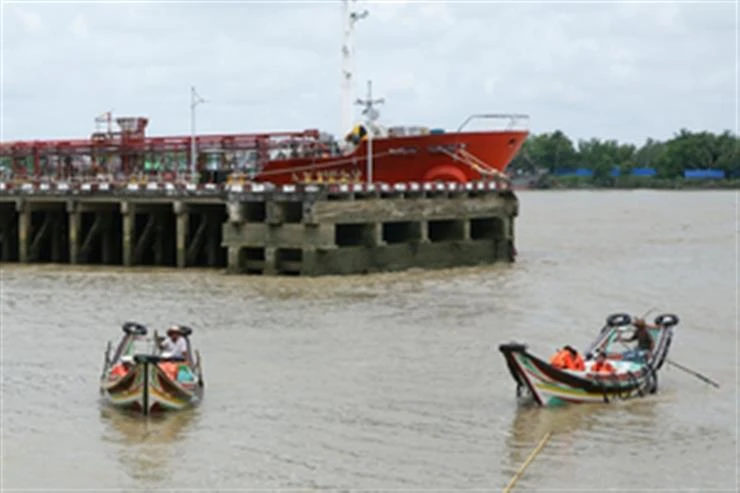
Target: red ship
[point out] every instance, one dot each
(411, 154)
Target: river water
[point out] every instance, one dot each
(392, 381)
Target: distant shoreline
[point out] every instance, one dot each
(572, 183)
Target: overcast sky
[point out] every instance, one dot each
(618, 70)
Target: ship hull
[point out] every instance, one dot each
(451, 157)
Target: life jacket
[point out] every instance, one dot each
(561, 360)
(577, 363)
(602, 367)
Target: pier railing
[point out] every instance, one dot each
(34, 187)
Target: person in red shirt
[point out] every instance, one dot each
(576, 360)
(602, 365)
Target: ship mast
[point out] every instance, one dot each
(349, 18)
(371, 114)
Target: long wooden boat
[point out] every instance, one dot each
(136, 377)
(635, 375)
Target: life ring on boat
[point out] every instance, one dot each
(618, 320)
(133, 328)
(666, 320)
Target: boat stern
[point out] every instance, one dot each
(512, 351)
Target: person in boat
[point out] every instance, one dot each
(641, 335)
(567, 359)
(576, 360)
(174, 345)
(602, 365)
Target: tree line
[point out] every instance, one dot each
(687, 150)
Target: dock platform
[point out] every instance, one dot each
(304, 230)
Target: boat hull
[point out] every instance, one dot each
(452, 157)
(148, 389)
(550, 386)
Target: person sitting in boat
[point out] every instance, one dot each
(174, 345)
(602, 365)
(567, 359)
(576, 359)
(641, 335)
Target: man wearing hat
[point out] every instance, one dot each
(174, 344)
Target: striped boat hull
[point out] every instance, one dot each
(148, 389)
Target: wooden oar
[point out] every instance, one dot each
(692, 372)
(531, 457)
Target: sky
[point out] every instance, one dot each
(618, 70)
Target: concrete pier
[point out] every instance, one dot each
(260, 229)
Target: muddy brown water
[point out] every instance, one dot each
(391, 381)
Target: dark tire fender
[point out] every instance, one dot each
(134, 328)
(618, 320)
(666, 320)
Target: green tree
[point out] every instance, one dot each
(685, 150)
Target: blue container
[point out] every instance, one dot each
(643, 172)
(580, 172)
(583, 172)
(704, 174)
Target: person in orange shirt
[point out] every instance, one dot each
(576, 360)
(567, 359)
(560, 359)
(602, 365)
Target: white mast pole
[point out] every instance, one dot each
(349, 18)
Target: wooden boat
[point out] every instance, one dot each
(635, 375)
(137, 377)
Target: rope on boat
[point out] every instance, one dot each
(531, 457)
